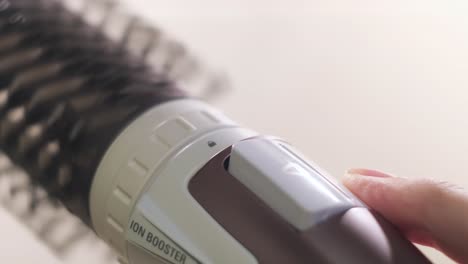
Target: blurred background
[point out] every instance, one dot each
(365, 83)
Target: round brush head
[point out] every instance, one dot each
(66, 91)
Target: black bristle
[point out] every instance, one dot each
(67, 84)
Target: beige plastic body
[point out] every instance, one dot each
(139, 166)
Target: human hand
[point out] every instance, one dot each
(428, 212)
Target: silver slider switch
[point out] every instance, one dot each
(286, 183)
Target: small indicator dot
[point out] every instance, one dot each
(211, 144)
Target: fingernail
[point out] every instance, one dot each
(368, 172)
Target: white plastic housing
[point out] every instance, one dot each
(139, 201)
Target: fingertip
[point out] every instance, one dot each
(375, 188)
(393, 197)
(369, 189)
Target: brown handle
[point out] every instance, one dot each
(361, 236)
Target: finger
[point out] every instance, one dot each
(415, 234)
(429, 212)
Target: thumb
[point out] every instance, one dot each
(430, 213)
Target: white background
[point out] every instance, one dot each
(352, 83)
